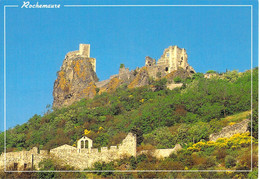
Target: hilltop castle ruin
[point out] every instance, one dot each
(77, 77)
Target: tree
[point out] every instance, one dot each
(197, 76)
(211, 71)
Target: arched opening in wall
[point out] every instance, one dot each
(192, 72)
(15, 166)
(82, 144)
(24, 166)
(166, 69)
(86, 144)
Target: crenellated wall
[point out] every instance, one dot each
(80, 158)
(85, 158)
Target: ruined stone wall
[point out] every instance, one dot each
(23, 158)
(85, 158)
(175, 57)
(149, 61)
(229, 131)
(161, 153)
(125, 75)
(69, 155)
(157, 71)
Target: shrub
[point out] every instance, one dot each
(211, 71)
(160, 85)
(230, 161)
(221, 154)
(122, 65)
(211, 161)
(104, 166)
(177, 79)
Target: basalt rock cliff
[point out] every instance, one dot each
(76, 78)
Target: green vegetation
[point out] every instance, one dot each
(225, 154)
(211, 71)
(160, 118)
(177, 80)
(122, 65)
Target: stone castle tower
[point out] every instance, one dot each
(84, 51)
(174, 57)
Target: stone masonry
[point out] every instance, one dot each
(84, 156)
(172, 59)
(81, 157)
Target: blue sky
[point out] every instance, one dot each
(37, 40)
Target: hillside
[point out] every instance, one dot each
(161, 118)
(109, 116)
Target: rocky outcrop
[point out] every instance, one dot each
(141, 79)
(111, 86)
(228, 131)
(181, 73)
(75, 80)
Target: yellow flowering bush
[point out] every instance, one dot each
(86, 132)
(236, 141)
(142, 100)
(231, 123)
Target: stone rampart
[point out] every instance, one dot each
(84, 158)
(79, 158)
(162, 153)
(23, 159)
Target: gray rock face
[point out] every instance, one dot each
(125, 75)
(75, 80)
(141, 79)
(228, 131)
